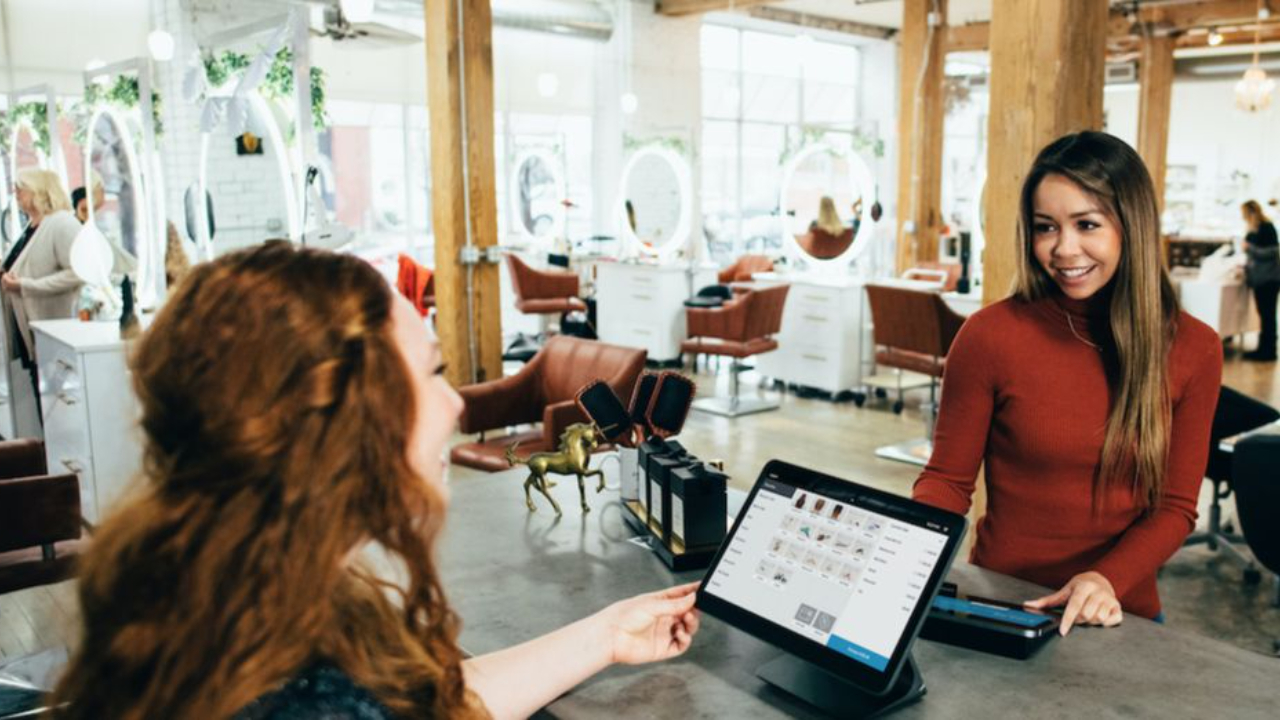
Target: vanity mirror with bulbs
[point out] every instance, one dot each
(641, 303)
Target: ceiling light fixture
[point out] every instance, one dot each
(630, 103)
(161, 45)
(1253, 92)
(1215, 38)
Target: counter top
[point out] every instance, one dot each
(83, 336)
(513, 575)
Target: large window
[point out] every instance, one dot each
(764, 95)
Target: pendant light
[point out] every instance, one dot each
(1253, 92)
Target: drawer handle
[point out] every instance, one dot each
(815, 318)
(646, 298)
(819, 358)
(65, 365)
(73, 465)
(816, 298)
(640, 331)
(67, 398)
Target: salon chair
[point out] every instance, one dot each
(822, 245)
(743, 268)
(545, 293)
(1257, 489)
(740, 328)
(913, 333)
(40, 521)
(1236, 413)
(543, 390)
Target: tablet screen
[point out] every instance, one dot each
(843, 573)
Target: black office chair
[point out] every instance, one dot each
(1257, 488)
(1236, 413)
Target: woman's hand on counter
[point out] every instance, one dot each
(1089, 600)
(651, 627)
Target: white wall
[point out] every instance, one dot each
(1208, 131)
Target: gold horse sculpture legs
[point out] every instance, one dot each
(572, 458)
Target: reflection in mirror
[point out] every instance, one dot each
(249, 182)
(24, 154)
(654, 202)
(118, 208)
(191, 205)
(539, 194)
(6, 195)
(825, 198)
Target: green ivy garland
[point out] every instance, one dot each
(675, 144)
(35, 116)
(123, 92)
(278, 83)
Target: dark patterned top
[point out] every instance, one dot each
(322, 692)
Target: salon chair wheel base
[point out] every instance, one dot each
(897, 407)
(859, 399)
(882, 393)
(1252, 576)
(726, 407)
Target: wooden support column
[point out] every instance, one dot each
(920, 117)
(1048, 59)
(463, 197)
(1155, 87)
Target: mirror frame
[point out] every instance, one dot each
(863, 183)
(679, 238)
(142, 202)
(560, 220)
(284, 166)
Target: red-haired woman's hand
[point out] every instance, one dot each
(1089, 600)
(650, 627)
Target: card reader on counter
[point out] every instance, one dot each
(986, 625)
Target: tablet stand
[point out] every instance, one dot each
(837, 697)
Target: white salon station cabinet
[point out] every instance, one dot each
(641, 305)
(90, 411)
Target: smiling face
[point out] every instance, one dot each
(437, 404)
(1075, 240)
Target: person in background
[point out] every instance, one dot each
(234, 582)
(38, 281)
(80, 200)
(828, 219)
(1088, 395)
(1262, 273)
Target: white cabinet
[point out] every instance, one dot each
(90, 412)
(642, 306)
(1228, 308)
(825, 331)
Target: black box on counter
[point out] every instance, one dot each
(698, 506)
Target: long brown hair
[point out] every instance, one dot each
(276, 419)
(1255, 210)
(1143, 311)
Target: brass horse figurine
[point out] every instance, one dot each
(576, 445)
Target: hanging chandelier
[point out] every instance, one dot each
(1253, 91)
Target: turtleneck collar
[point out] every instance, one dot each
(1094, 307)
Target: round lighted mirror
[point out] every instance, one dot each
(826, 201)
(655, 204)
(246, 173)
(538, 191)
(119, 208)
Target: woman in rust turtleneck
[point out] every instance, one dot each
(1088, 395)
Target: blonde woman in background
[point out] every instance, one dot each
(828, 219)
(38, 281)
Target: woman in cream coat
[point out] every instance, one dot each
(38, 281)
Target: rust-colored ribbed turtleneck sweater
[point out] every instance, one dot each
(1029, 397)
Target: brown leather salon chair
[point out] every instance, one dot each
(913, 332)
(820, 244)
(946, 274)
(543, 390)
(744, 267)
(742, 327)
(40, 521)
(544, 292)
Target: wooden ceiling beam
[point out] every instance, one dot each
(822, 22)
(1164, 19)
(675, 8)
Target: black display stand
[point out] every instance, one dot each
(678, 559)
(837, 697)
